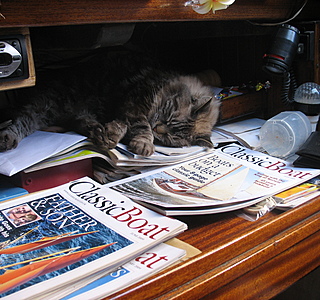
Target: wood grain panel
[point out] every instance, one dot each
(56, 12)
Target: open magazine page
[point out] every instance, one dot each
(35, 148)
(142, 266)
(163, 155)
(72, 156)
(229, 175)
(55, 237)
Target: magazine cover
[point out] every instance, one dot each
(229, 175)
(106, 283)
(52, 238)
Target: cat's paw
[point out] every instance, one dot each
(8, 140)
(141, 147)
(203, 142)
(96, 133)
(115, 131)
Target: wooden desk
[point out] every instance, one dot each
(240, 259)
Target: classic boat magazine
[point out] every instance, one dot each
(228, 178)
(50, 239)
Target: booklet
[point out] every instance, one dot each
(56, 237)
(226, 178)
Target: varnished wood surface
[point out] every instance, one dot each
(240, 259)
(56, 12)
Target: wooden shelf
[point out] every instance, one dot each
(239, 259)
(18, 13)
(241, 106)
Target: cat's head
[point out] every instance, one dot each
(186, 113)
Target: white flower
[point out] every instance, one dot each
(204, 6)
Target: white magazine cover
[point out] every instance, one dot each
(106, 283)
(229, 175)
(52, 238)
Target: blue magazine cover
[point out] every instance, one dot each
(67, 233)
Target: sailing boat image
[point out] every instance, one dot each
(38, 266)
(41, 243)
(16, 277)
(229, 188)
(202, 181)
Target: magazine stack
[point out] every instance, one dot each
(71, 235)
(229, 178)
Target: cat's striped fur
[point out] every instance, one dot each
(115, 98)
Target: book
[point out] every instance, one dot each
(228, 178)
(46, 178)
(53, 238)
(64, 157)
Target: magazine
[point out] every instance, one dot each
(106, 283)
(72, 156)
(225, 178)
(35, 148)
(9, 191)
(55, 237)
(245, 132)
(201, 210)
(174, 251)
(121, 157)
(299, 194)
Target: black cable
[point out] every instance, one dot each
(283, 22)
(289, 85)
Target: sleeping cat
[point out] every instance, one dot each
(117, 97)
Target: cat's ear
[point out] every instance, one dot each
(206, 102)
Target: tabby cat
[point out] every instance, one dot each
(117, 97)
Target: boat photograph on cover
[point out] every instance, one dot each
(53, 238)
(35, 252)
